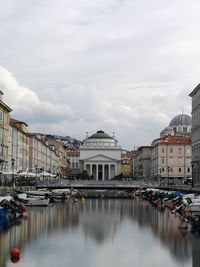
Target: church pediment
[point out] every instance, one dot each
(100, 158)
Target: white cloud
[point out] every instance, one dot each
(27, 105)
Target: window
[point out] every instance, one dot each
(162, 160)
(1, 115)
(188, 160)
(163, 150)
(180, 161)
(179, 150)
(163, 169)
(185, 129)
(188, 150)
(171, 169)
(188, 169)
(179, 169)
(171, 160)
(171, 150)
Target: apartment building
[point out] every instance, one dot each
(60, 150)
(74, 165)
(195, 94)
(4, 131)
(171, 158)
(42, 156)
(142, 163)
(18, 152)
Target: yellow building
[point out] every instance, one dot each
(4, 130)
(126, 167)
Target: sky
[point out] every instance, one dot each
(124, 66)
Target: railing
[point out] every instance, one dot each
(95, 184)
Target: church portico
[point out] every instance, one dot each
(100, 156)
(101, 171)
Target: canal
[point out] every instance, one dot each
(100, 232)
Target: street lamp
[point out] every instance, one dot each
(168, 175)
(36, 172)
(13, 178)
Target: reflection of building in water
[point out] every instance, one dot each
(100, 219)
(40, 221)
(165, 227)
(196, 252)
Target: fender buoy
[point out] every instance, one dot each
(15, 252)
(23, 208)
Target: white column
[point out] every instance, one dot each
(103, 172)
(109, 172)
(90, 169)
(84, 166)
(115, 169)
(97, 167)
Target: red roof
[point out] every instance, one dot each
(73, 153)
(173, 139)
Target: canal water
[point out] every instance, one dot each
(100, 233)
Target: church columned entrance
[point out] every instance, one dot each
(101, 171)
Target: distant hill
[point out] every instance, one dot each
(69, 142)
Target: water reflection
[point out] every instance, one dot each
(102, 222)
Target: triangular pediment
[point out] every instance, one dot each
(100, 158)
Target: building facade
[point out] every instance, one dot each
(171, 158)
(60, 150)
(142, 163)
(195, 94)
(18, 153)
(100, 156)
(74, 165)
(4, 133)
(41, 156)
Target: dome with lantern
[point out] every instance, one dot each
(179, 125)
(100, 139)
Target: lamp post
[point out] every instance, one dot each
(36, 172)
(13, 178)
(168, 175)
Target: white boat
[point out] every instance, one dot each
(38, 192)
(34, 201)
(194, 207)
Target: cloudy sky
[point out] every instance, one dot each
(74, 66)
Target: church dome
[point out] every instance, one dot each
(167, 131)
(100, 135)
(181, 119)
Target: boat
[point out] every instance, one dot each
(194, 207)
(33, 201)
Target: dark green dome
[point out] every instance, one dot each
(100, 135)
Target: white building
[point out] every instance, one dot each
(100, 156)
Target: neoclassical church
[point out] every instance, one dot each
(100, 156)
